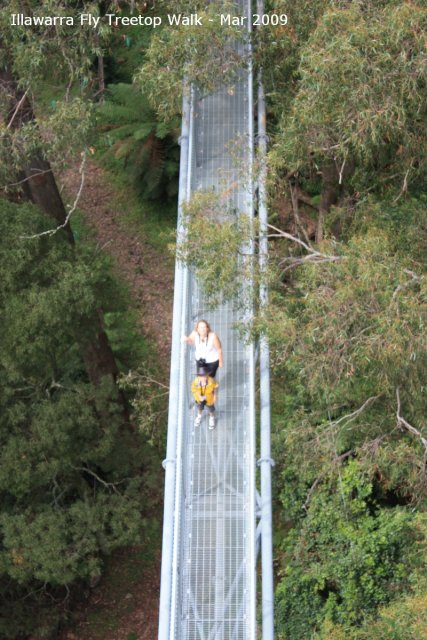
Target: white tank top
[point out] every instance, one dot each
(205, 348)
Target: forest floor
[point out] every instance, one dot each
(142, 263)
(124, 605)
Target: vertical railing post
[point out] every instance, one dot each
(251, 347)
(265, 462)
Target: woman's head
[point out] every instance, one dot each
(202, 328)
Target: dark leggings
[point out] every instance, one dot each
(211, 366)
(203, 404)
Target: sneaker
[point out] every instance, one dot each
(211, 422)
(197, 420)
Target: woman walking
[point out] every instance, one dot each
(208, 347)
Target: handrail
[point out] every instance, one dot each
(174, 393)
(182, 393)
(265, 462)
(252, 412)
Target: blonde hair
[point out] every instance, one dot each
(204, 322)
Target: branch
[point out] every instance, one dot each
(151, 380)
(298, 223)
(294, 261)
(113, 485)
(372, 446)
(18, 106)
(307, 247)
(306, 199)
(67, 594)
(352, 416)
(401, 422)
(33, 175)
(349, 417)
(341, 171)
(310, 491)
(284, 234)
(404, 188)
(343, 456)
(335, 146)
(34, 592)
(51, 232)
(414, 277)
(316, 259)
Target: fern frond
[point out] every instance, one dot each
(146, 147)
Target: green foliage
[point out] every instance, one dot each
(347, 353)
(277, 49)
(145, 147)
(217, 245)
(347, 558)
(359, 95)
(344, 338)
(70, 474)
(350, 326)
(63, 54)
(402, 619)
(58, 57)
(130, 348)
(63, 128)
(203, 55)
(128, 44)
(149, 403)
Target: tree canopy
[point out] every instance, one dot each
(345, 85)
(70, 473)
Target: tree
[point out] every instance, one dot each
(206, 56)
(348, 557)
(346, 333)
(146, 147)
(70, 475)
(356, 119)
(23, 143)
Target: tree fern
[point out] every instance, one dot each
(146, 148)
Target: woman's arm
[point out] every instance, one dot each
(218, 347)
(189, 339)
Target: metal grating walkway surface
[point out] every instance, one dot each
(217, 557)
(213, 583)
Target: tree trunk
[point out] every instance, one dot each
(100, 63)
(39, 186)
(328, 197)
(101, 78)
(98, 356)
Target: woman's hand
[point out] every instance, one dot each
(188, 339)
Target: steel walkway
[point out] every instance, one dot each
(208, 582)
